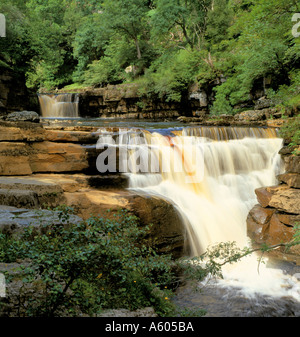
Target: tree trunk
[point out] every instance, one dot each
(139, 54)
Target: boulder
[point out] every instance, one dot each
(251, 115)
(278, 232)
(273, 220)
(25, 116)
(91, 202)
(287, 201)
(292, 164)
(167, 231)
(263, 196)
(288, 219)
(124, 101)
(270, 226)
(82, 137)
(275, 123)
(262, 103)
(258, 222)
(18, 198)
(291, 179)
(13, 166)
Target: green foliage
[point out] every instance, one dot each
(261, 45)
(287, 97)
(180, 23)
(52, 33)
(170, 76)
(213, 260)
(108, 263)
(110, 68)
(290, 131)
(219, 19)
(15, 49)
(91, 266)
(296, 237)
(232, 48)
(89, 43)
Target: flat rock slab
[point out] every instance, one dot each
(38, 184)
(57, 183)
(21, 131)
(13, 220)
(29, 193)
(82, 137)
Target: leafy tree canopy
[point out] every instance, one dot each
(231, 48)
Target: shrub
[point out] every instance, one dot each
(290, 131)
(91, 266)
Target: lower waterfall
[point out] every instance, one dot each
(210, 175)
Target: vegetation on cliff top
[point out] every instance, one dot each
(231, 48)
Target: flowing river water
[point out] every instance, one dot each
(210, 175)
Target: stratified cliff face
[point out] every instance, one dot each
(42, 167)
(272, 221)
(125, 101)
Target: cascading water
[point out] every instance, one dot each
(60, 105)
(214, 193)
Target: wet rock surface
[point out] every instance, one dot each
(13, 220)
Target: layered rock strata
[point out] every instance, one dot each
(273, 219)
(41, 168)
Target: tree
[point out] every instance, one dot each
(127, 18)
(52, 28)
(181, 22)
(15, 49)
(260, 46)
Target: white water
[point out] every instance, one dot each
(216, 196)
(61, 105)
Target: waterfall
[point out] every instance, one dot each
(59, 105)
(214, 193)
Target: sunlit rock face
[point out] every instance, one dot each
(272, 221)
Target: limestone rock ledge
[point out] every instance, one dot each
(91, 196)
(44, 167)
(273, 219)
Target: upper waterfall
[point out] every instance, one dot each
(59, 105)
